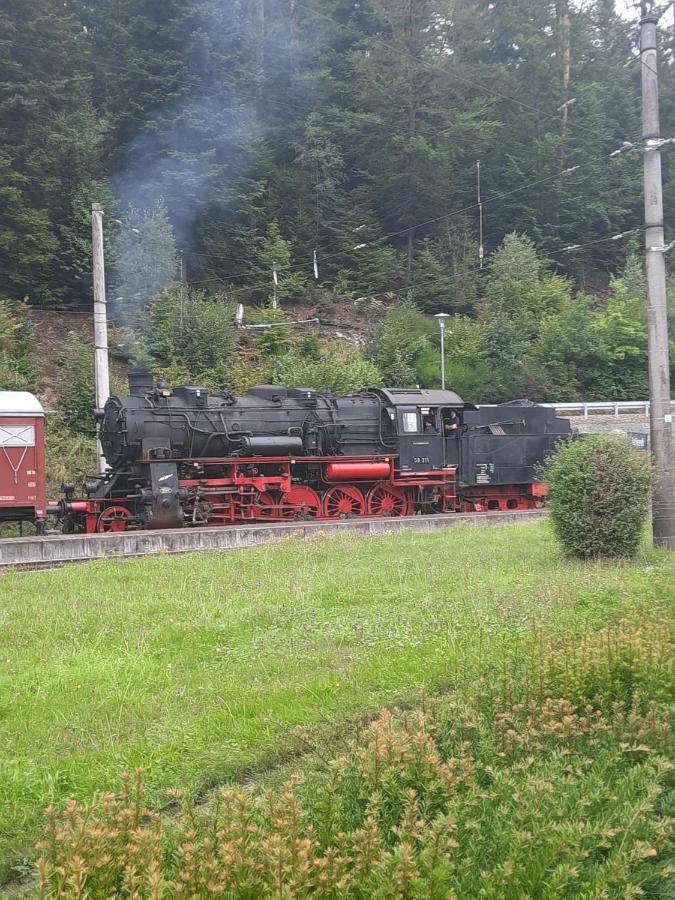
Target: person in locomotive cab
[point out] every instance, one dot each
(430, 422)
(450, 422)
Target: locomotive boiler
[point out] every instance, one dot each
(185, 456)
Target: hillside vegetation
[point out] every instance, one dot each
(533, 337)
(323, 155)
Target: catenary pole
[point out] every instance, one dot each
(660, 417)
(101, 374)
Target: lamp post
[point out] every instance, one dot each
(441, 317)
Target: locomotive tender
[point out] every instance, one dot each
(184, 456)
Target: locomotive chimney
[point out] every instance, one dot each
(140, 381)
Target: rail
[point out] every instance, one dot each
(616, 406)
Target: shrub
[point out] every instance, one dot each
(70, 457)
(77, 390)
(248, 371)
(77, 394)
(599, 496)
(400, 341)
(268, 340)
(18, 363)
(339, 368)
(194, 334)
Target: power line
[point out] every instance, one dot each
(484, 202)
(615, 237)
(440, 281)
(445, 216)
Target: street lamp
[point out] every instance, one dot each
(441, 317)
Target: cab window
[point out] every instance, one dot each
(410, 422)
(429, 420)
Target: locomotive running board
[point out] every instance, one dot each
(57, 550)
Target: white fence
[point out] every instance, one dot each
(641, 407)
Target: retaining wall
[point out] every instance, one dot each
(60, 549)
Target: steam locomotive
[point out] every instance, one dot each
(183, 456)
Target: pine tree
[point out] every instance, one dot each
(145, 264)
(50, 150)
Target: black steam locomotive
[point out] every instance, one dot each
(184, 456)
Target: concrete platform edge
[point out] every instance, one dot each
(57, 550)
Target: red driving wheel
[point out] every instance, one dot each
(300, 502)
(113, 519)
(268, 505)
(388, 500)
(342, 501)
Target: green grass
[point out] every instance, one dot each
(196, 667)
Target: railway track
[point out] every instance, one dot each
(53, 551)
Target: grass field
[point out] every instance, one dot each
(196, 667)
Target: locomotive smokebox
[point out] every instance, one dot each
(140, 381)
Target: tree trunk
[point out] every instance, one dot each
(563, 13)
(258, 34)
(412, 127)
(411, 253)
(293, 25)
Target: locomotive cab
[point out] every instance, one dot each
(427, 428)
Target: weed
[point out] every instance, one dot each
(473, 796)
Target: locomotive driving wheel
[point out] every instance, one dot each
(388, 500)
(300, 503)
(113, 519)
(268, 506)
(343, 501)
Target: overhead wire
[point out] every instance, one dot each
(476, 271)
(456, 213)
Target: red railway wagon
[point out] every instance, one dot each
(23, 495)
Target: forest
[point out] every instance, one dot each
(324, 155)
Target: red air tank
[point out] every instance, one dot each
(368, 470)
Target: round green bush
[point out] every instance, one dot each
(599, 496)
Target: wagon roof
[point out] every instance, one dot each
(20, 403)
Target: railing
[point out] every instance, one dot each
(616, 406)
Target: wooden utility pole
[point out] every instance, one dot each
(101, 373)
(660, 416)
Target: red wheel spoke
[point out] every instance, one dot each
(268, 506)
(343, 501)
(388, 500)
(113, 519)
(300, 502)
